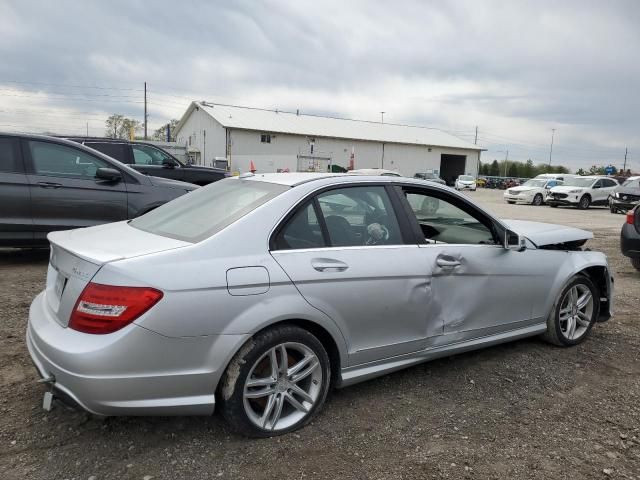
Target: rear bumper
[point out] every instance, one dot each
(630, 241)
(130, 372)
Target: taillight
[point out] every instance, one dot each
(630, 217)
(104, 309)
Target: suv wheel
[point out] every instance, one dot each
(276, 383)
(537, 200)
(584, 203)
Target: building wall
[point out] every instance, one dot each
(202, 133)
(283, 151)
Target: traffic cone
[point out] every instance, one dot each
(252, 167)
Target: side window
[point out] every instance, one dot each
(63, 161)
(9, 156)
(301, 231)
(609, 183)
(146, 155)
(114, 150)
(359, 216)
(444, 222)
(598, 184)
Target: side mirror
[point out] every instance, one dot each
(168, 164)
(108, 174)
(513, 241)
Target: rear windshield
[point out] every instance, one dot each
(206, 211)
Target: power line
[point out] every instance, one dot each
(19, 82)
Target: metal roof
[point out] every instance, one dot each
(274, 121)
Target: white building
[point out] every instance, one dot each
(276, 141)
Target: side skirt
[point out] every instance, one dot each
(367, 371)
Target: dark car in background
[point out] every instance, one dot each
(152, 160)
(630, 237)
(430, 177)
(49, 184)
(626, 196)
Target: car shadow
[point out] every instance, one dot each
(23, 256)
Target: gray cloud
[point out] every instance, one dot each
(516, 69)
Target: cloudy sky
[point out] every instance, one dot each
(515, 69)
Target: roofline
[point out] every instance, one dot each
(203, 103)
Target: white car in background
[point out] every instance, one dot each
(533, 191)
(582, 192)
(465, 182)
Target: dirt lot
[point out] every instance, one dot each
(521, 410)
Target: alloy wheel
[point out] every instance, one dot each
(282, 386)
(537, 200)
(576, 311)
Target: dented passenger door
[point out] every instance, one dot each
(478, 287)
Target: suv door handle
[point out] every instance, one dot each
(446, 263)
(49, 185)
(328, 265)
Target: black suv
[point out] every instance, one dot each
(51, 184)
(151, 160)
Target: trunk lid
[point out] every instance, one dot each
(545, 234)
(77, 255)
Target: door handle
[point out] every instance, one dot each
(328, 265)
(49, 185)
(446, 263)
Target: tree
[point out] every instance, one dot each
(581, 171)
(513, 169)
(119, 126)
(527, 170)
(494, 169)
(161, 133)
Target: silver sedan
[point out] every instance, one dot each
(259, 294)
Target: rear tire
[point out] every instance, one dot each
(262, 394)
(573, 313)
(538, 200)
(636, 263)
(584, 202)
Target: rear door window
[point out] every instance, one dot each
(10, 161)
(147, 155)
(118, 151)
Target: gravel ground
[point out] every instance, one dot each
(521, 410)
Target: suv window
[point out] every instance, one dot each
(9, 157)
(609, 183)
(63, 161)
(147, 155)
(114, 150)
(444, 222)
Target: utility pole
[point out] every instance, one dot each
(553, 132)
(624, 169)
(88, 131)
(475, 142)
(382, 114)
(506, 160)
(145, 110)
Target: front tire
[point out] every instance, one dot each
(276, 383)
(538, 200)
(574, 313)
(584, 203)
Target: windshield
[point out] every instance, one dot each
(579, 182)
(632, 182)
(466, 178)
(206, 211)
(535, 183)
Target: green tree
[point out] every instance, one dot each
(513, 169)
(494, 169)
(161, 133)
(581, 171)
(527, 170)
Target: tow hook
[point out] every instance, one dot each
(47, 401)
